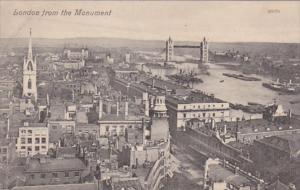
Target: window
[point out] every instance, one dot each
(54, 175)
(29, 66)
(184, 115)
(43, 147)
(4, 150)
(43, 175)
(23, 147)
(29, 148)
(29, 84)
(37, 140)
(184, 107)
(32, 176)
(54, 127)
(37, 148)
(29, 140)
(29, 131)
(22, 140)
(213, 114)
(66, 174)
(76, 173)
(43, 140)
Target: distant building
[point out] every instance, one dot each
(76, 54)
(71, 64)
(127, 58)
(33, 139)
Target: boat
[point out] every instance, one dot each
(241, 77)
(295, 102)
(281, 87)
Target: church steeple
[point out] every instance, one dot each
(29, 73)
(29, 56)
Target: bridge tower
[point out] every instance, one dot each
(169, 49)
(204, 51)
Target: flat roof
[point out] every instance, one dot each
(193, 97)
(52, 165)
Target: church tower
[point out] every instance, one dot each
(29, 74)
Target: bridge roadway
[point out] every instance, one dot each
(186, 46)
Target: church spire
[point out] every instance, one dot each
(29, 56)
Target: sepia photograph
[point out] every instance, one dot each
(149, 95)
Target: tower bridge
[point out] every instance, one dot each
(203, 47)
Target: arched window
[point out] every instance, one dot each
(29, 84)
(29, 66)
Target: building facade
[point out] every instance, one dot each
(183, 109)
(33, 139)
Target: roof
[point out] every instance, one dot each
(85, 186)
(132, 183)
(66, 150)
(194, 97)
(218, 173)
(278, 185)
(262, 125)
(52, 165)
(286, 143)
(162, 84)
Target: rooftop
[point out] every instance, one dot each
(218, 173)
(262, 125)
(55, 165)
(286, 143)
(162, 84)
(193, 97)
(132, 183)
(85, 186)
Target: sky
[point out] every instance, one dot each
(225, 21)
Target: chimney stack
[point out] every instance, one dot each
(126, 108)
(100, 108)
(117, 107)
(7, 135)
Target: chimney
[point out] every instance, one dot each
(143, 127)
(7, 135)
(126, 108)
(73, 95)
(100, 108)
(225, 129)
(153, 81)
(117, 107)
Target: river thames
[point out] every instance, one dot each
(231, 89)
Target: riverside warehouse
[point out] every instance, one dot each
(81, 12)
